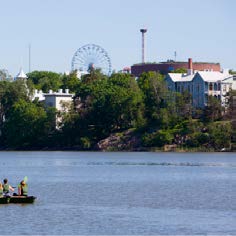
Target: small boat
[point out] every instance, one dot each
(17, 199)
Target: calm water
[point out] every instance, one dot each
(122, 193)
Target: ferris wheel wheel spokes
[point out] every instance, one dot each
(91, 55)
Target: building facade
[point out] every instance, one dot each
(169, 66)
(201, 85)
(58, 99)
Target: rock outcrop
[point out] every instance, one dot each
(125, 141)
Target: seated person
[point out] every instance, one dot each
(23, 189)
(7, 188)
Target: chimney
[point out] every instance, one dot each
(190, 66)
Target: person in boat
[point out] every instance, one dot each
(23, 189)
(1, 190)
(7, 188)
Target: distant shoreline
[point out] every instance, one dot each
(198, 150)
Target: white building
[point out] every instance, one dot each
(58, 99)
(39, 95)
(202, 84)
(54, 99)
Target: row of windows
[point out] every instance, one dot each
(212, 86)
(189, 88)
(208, 87)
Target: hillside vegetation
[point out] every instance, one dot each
(136, 114)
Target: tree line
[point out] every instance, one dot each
(104, 105)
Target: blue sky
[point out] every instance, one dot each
(204, 30)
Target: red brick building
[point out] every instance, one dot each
(168, 66)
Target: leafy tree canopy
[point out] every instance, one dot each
(26, 125)
(155, 94)
(232, 72)
(213, 110)
(10, 92)
(70, 81)
(180, 70)
(45, 80)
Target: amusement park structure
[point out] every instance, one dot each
(91, 56)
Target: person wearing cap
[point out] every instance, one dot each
(7, 188)
(23, 188)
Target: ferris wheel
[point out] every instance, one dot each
(89, 57)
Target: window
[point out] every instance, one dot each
(215, 86)
(210, 87)
(224, 88)
(50, 104)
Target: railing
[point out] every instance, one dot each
(213, 92)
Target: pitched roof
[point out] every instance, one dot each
(213, 76)
(178, 77)
(21, 74)
(207, 76)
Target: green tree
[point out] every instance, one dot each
(220, 135)
(127, 99)
(213, 111)
(45, 80)
(10, 92)
(155, 95)
(113, 104)
(27, 126)
(158, 138)
(183, 106)
(94, 75)
(70, 81)
(4, 75)
(180, 70)
(198, 139)
(103, 105)
(232, 72)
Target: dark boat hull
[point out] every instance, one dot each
(17, 199)
(4, 200)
